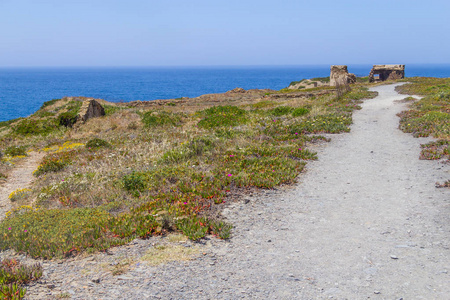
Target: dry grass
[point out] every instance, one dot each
(163, 254)
(169, 163)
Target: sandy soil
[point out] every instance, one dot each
(20, 177)
(366, 221)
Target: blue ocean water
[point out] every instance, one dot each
(23, 90)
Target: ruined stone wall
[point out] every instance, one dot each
(387, 72)
(339, 75)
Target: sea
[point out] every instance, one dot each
(23, 90)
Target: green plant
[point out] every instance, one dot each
(67, 119)
(55, 162)
(13, 274)
(96, 143)
(48, 103)
(193, 228)
(162, 118)
(134, 182)
(300, 111)
(16, 151)
(112, 109)
(281, 111)
(19, 194)
(221, 229)
(12, 291)
(9, 122)
(34, 127)
(222, 116)
(56, 233)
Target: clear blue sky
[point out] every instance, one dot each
(219, 32)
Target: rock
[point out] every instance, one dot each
(90, 109)
(96, 280)
(339, 75)
(386, 72)
(237, 90)
(51, 286)
(377, 292)
(394, 257)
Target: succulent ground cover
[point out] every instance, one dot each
(142, 171)
(13, 274)
(430, 116)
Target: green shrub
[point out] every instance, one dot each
(96, 143)
(12, 271)
(12, 292)
(222, 116)
(329, 123)
(162, 118)
(300, 111)
(322, 79)
(112, 109)
(263, 172)
(43, 114)
(134, 182)
(50, 102)
(281, 111)
(54, 162)
(34, 127)
(56, 233)
(67, 119)
(9, 122)
(193, 228)
(221, 229)
(16, 151)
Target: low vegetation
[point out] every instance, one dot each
(429, 116)
(158, 170)
(14, 274)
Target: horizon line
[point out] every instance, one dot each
(209, 66)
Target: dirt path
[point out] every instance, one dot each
(366, 221)
(20, 177)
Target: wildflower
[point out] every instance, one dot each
(9, 228)
(296, 133)
(229, 175)
(300, 149)
(25, 230)
(184, 202)
(231, 155)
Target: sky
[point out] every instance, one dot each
(58, 33)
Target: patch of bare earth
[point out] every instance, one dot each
(20, 177)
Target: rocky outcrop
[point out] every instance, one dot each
(236, 90)
(90, 109)
(339, 75)
(308, 83)
(387, 72)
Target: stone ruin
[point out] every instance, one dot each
(339, 75)
(386, 72)
(90, 109)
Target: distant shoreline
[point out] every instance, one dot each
(24, 89)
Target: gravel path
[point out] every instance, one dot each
(20, 177)
(366, 221)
